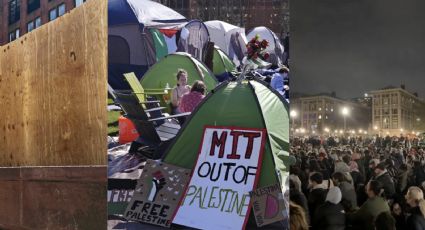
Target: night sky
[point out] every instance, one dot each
(353, 46)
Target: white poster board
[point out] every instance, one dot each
(227, 169)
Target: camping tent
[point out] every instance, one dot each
(221, 62)
(231, 39)
(250, 104)
(166, 69)
(275, 48)
(194, 39)
(140, 32)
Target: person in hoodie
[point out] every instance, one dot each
(317, 194)
(382, 175)
(349, 198)
(415, 199)
(330, 215)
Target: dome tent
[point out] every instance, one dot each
(275, 48)
(194, 39)
(251, 105)
(231, 39)
(166, 69)
(221, 62)
(137, 36)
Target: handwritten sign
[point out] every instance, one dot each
(227, 169)
(268, 204)
(158, 193)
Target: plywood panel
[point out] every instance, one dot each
(53, 92)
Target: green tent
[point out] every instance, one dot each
(166, 69)
(250, 104)
(221, 62)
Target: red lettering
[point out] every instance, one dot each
(234, 154)
(216, 142)
(251, 137)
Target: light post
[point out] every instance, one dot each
(345, 112)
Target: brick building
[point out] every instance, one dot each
(18, 17)
(273, 14)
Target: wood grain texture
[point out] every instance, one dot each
(53, 92)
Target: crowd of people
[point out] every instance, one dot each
(357, 183)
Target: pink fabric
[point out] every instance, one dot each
(189, 101)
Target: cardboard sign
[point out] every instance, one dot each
(158, 193)
(227, 169)
(268, 205)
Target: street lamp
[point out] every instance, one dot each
(345, 113)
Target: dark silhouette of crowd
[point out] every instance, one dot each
(354, 183)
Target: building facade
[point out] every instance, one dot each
(396, 111)
(273, 14)
(322, 114)
(19, 17)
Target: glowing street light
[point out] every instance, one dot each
(293, 114)
(375, 127)
(345, 112)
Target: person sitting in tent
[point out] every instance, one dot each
(181, 89)
(189, 101)
(277, 81)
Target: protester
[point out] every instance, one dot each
(330, 215)
(191, 100)
(349, 198)
(385, 221)
(297, 218)
(181, 89)
(415, 199)
(278, 79)
(317, 194)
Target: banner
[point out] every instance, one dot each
(158, 193)
(227, 169)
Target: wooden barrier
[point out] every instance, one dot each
(53, 92)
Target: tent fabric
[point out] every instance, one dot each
(144, 12)
(194, 38)
(166, 69)
(232, 104)
(275, 48)
(221, 62)
(116, 77)
(231, 39)
(160, 44)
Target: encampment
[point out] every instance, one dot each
(141, 32)
(221, 63)
(231, 39)
(194, 39)
(275, 48)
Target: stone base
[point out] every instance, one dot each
(71, 197)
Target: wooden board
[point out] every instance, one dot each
(53, 92)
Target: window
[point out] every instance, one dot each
(37, 22)
(79, 2)
(61, 9)
(33, 5)
(52, 14)
(395, 111)
(14, 35)
(30, 26)
(14, 11)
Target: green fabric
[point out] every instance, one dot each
(221, 62)
(161, 49)
(231, 105)
(276, 117)
(166, 69)
(365, 216)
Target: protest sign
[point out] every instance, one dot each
(268, 204)
(227, 169)
(158, 193)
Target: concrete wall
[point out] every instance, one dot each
(53, 197)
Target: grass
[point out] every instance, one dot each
(113, 120)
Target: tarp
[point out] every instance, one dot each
(146, 13)
(166, 69)
(275, 48)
